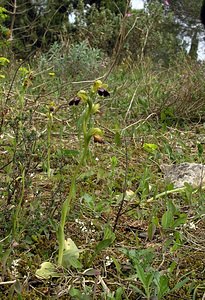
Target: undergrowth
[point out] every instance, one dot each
(126, 235)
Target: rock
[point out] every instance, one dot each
(178, 174)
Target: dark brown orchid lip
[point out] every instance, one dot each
(74, 101)
(51, 108)
(103, 92)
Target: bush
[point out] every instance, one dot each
(78, 61)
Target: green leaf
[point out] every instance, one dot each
(167, 219)
(180, 221)
(74, 292)
(69, 260)
(140, 273)
(117, 265)
(46, 271)
(151, 231)
(102, 245)
(86, 175)
(200, 149)
(148, 280)
(162, 285)
(67, 153)
(117, 138)
(108, 233)
(172, 267)
(118, 294)
(137, 290)
(18, 287)
(151, 148)
(71, 254)
(180, 284)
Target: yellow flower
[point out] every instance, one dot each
(100, 88)
(97, 85)
(4, 61)
(52, 106)
(23, 71)
(95, 131)
(83, 95)
(52, 74)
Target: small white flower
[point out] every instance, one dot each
(108, 261)
(192, 225)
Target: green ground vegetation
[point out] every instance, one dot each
(84, 210)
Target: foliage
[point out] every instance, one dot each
(136, 34)
(4, 30)
(76, 62)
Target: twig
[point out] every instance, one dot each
(139, 121)
(7, 282)
(130, 105)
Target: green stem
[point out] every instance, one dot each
(177, 190)
(67, 206)
(72, 193)
(49, 125)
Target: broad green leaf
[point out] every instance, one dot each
(78, 295)
(108, 233)
(102, 245)
(167, 219)
(117, 138)
(69, 260)
(46, 271)
(151, 231)
(18, 287)
(148, 280)
(171, 207)
(74, 292)
(118, 294)
(180, 221)
(140, 273)
(151, 148)
(172, 267)
(71, 254)
(162, 286)
(86, 175)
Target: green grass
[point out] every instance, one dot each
(130, 248)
